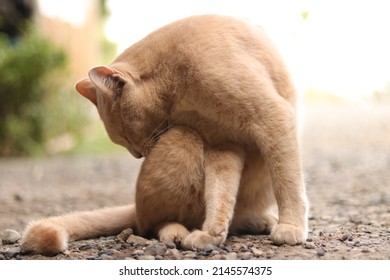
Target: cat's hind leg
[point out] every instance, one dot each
(223, 169)
(50, 236)
(172, 232)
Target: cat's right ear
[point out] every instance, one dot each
(87, 89)
(108, 80)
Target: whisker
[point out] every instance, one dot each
(156, 129)
(170, 124)
(149, 143)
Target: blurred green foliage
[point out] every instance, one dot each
(35, 106)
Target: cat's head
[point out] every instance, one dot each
(130, 115)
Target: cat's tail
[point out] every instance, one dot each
(50, 236)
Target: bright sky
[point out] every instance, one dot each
(342, 47)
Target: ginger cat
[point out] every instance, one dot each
(209, 104)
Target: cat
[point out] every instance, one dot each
(208, 102)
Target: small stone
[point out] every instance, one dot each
(109, 252)
(214, 252)
(136, 240)
(256, 252)
(189, 254)
(10, 236)
(137, 253)
(124, 235)
(85, 247)
(151, 241)
(309, 245)
(174, 254)
(345, 237)
(320, 252)
(146, 258)
(105, 257)
(245, 255)
(11, 253)
(156, 249)
(227, 248)
(171, 245)
(230, 256)
(270, 253)
(18, 197)
(243, 248)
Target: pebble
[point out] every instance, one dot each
(85, 247)
(189, 254)
(137, 252)
(151, 241)
(245, 256)
(146, 258)
(320, 252)
(10, 236)
(309, 245)
(230, 256)
(346, 236)
(171, 245)
(257, 252)
(124, 235)
(18, 197)
(270, 253)
(108, 252)
(136, 240)
(156, 249)
(366, 251)
(12, 252)
(174, 253)
(214, 253)
(105, 257)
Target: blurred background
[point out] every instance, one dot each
(337, 51)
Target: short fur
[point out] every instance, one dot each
(209, 104)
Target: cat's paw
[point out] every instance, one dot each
(172, 233)
(44, 239)
(198, 239)
(288, 234)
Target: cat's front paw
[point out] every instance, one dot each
(288, 234)
(44, 239)
(199, 239)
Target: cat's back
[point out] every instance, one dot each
(201, 35)
(211, 45)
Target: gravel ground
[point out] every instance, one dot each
(346, 153)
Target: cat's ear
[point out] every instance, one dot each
(108, 80)
(87, 89)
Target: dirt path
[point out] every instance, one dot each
(346, 152)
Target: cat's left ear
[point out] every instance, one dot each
(87, 89)
(108, 80)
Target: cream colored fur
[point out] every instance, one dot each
(209, 104)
